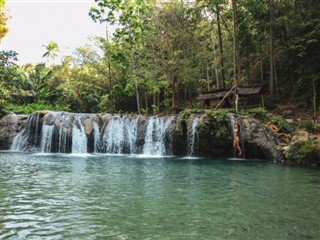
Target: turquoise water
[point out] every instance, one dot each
(128, 197)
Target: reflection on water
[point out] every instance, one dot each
(127, 197)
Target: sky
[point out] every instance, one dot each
(34, 23)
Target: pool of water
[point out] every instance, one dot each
(135, 197)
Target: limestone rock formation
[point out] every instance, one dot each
(10, 126)
(204, 134)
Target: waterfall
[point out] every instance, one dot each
(30, 138)
(132, 130)
(46, 138)
(192, 135)
(96, 137)
(155, 136)
(61, 132)
(79, 137)
(120, 135)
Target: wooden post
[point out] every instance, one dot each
(224, 97)
(262, 100)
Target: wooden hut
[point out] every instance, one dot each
(249, 96)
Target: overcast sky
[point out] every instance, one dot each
(35, 23)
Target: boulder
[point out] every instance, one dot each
(10, 126)
(259, 141)
(300, 135)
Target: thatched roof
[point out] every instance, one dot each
(221, 93)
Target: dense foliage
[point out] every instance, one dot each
(163, 53)
(305, 153)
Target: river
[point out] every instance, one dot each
(99, 196)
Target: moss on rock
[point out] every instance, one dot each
(304, 153)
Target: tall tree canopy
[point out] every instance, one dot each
(162, 54)
(3, 20)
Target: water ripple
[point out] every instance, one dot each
(122, 197)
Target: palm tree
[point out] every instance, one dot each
(52, 50)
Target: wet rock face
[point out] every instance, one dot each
(10, 126)
(258, 141)
(198, 135)
(214, 138)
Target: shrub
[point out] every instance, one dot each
(305, 152)
(30, 108)
(220, 123)
(282, 124)
(258, 113)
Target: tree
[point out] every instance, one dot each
(272, 72)
(52, 50)
(174, 47)
(215, 7)
(8, 58)
(131, 21)
(3, 20)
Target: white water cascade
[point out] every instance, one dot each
(62, 132)
(96, 137)
(80, 133)
(192, 136)
(120, 135)
(29, 138)
(46, 138)
(79, 137)
(155, 136)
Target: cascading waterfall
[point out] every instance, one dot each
(79, 137)
(155, 136)
(270, 136)
(62, 132)
(30, 137)
(192, 135)
(96, 137)
(132, 131)
(46, 138)
(120, 135)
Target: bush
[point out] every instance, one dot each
(258, 113)
(220, 122)
(186, 113)
(305, 153)
(30, 108)
(282, 124)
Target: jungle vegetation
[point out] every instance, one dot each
(164, 53)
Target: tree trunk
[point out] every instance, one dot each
(208, 77)
(154, 99)
(133, 75)
(175, 95)
(290, 58)
(109, 64)
(271, 6)
(236, 63)
(314, 98)
(275, 74)
(220, 47)
(137, 97)
(214, 61)
(261, 63)
(146, 101)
